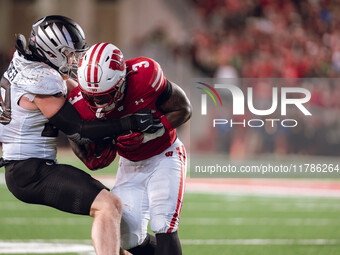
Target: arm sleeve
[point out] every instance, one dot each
(165, 95)
(68, 120)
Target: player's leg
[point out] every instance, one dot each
(106, 212)
(148, 247)
(166, 191)
(168, 243)
(130, 187)
(68, 189)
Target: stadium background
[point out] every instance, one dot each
(211, 39)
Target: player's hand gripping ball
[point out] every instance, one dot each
(100, 154)
(130, 141)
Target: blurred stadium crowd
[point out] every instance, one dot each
(263, 38)
(284, 39)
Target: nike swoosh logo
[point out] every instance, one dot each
(143, 121)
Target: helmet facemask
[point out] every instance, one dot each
(71, 58)
(104, 103)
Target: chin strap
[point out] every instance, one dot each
(99, 113)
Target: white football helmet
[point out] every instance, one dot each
(101, 77)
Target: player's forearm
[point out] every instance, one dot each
(179, 117)
(68, 120)
(79, 150)
(177, 109)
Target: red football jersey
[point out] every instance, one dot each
(145, 82)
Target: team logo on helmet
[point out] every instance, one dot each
(101, 77)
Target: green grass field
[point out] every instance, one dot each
(210, 224)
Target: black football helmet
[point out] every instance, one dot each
(59, 42)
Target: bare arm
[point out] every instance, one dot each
(49, 105)
(177, 109)
(71, 84)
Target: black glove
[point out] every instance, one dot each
(143, 121)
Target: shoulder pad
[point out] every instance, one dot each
(37, 78)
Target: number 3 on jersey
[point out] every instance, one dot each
(151, 73)
(140, 64)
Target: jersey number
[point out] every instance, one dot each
(11, 72)
(5, 103)
(140, 64)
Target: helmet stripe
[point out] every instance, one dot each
(50, 33)
(41, 39)
(59, 35)
(95, 80)
(89, 66)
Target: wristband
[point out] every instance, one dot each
(166, 123)
(126, 124)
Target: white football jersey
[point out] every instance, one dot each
(22, 138)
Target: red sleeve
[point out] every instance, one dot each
(147, 75)
(76, 99)
(157, 80)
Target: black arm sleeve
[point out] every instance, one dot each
(68, 120)
(166, 94)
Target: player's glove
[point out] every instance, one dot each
(132, 141)
(96, 161)
(143, 121)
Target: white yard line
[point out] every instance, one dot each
(84, 248)
(44, 247)
(270, 206)
(45, 221)
(260, 241)
(319, 222)
(185, 221)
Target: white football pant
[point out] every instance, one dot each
(151, 189)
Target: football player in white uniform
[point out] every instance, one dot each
(34, 108)
(152, 168)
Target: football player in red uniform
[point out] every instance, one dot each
(152, 167)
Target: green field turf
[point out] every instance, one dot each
(210, 224)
